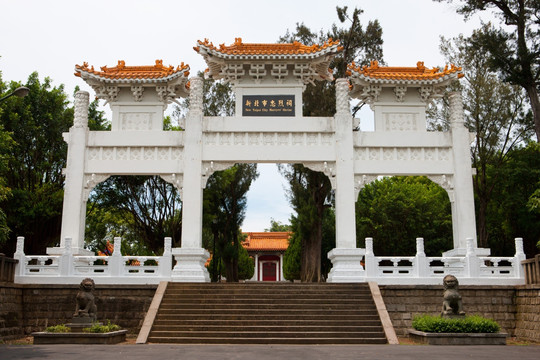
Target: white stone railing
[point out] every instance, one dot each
(392, 270)
(422, 269)
(71, 269)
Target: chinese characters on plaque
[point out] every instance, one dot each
(268, 105)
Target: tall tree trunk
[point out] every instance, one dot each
(535, 105)
(311, 249)
(483, 234)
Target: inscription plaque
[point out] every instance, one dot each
(268, 105)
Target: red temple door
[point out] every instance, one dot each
(269, 271)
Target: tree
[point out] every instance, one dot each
(404, 208)
(246, 264)
(512, 50)
(34, 165)
(493, 111)
(224, 202)
(277, 226)
(309, 189)
(149, 209)
(508, 214)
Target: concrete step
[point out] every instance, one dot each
(273, 297)
(268, 340)
(272, 334)
(266, 328)
(258, 317)
(316, 321)
(278, 313)
(255, 306)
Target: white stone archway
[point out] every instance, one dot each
(268, 126)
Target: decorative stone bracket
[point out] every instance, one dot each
(360, 181)
(209, 167)
(90, 182)
(177, 180)
(327, 168)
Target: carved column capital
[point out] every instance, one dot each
(457, 115)
(82, 101)
(342, 96)
(196, 95)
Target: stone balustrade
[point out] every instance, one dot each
(470, 269)
(114, 269)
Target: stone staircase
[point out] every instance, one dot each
(267, 313)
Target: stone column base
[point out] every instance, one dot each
(190, 265)
(346, 265)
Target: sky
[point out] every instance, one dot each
(50, 37)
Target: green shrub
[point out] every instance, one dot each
(57, 329)
(469, 324)
(96, 328)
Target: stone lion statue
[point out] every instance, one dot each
(452, 304)
(86, 306)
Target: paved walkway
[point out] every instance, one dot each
(263, 352)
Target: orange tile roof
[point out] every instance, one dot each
(123, 72)
(418, 73)
(240, 48)
(267, 241)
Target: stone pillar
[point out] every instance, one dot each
(20, 267)
(116, 261)
(369, 260)
(518, 258)
(345, 257)
(421, 266)
(191, 257)
(66, 259)
(256, 272)
(74, 207)
(281, 277)
(165, 263)
(463, 214)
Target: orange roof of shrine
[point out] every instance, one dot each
(267, 241)
(242, 49)
(123, 73)
(420, 73)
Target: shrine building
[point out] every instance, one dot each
(267, 249)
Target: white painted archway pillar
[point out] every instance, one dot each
(191, 257)
(345, 257)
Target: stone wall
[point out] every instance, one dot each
(403, 302)
(34, 307)
(528, 312)
(28, 308)
(11, 314)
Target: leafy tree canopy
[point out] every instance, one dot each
(513, 47)
(395, 211)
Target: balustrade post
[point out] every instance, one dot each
(471, 260)
(20, 267)
(165, 262)
(421, 266)
(66, 259)
(116, 261)
(370, 263)
(518, 258)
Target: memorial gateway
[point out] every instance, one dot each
(268, 127)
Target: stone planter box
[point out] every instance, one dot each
(113, 337)
(458, 338)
